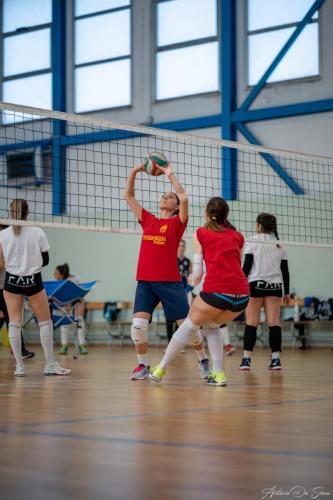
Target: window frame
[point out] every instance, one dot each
(27, 74)
(102, 61)
(268, 29)
(180, 45)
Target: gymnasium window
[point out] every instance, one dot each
(26, 47)
(270, 24)
(102, 54)
(187, 58)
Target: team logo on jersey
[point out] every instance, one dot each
(163, 228)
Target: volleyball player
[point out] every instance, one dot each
(62, 272)
(266, 266)
(225, 291)
(3, 309)
(23, 252)
(157, 272)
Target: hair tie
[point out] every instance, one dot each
(214, 218)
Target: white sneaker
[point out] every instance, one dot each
(55, 369)
(20, 371)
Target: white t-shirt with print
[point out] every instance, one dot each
(266, 258)
(23, 253)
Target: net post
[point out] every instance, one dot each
(58, 104)
(228, 99)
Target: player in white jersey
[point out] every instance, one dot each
(23, 253)
(266, 266)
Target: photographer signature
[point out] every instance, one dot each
(295, 492)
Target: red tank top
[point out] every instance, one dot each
(221, 253)
(159, 245)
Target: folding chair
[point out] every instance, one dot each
(63, 296)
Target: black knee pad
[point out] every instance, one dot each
(275, 338)
(250, 337)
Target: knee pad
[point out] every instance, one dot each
(185, 330)
(210, 325)
(275, 338)
(14, 330)
(195, 338)
(46, 328)
(250, 337)
(139, 330)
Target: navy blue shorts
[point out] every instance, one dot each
(171, 294)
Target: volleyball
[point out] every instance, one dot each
(153, 161)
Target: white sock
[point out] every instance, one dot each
(178, 342)
(81, 335)
(46, 339)
(64, 330)
(14, 334)
(195, 340)
(275, 355)
(215, 346)
(247, 354)
(143, 359)
(225, 335)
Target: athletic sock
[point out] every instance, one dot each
(275, 355)
(46, 339)
(14, 335)
(225, 335)
(215, 346)
(64, 335)
(247, 354)
(143, 359)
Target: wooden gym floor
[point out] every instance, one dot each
(96, 435)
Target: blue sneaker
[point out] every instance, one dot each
(275, 364)
(245, 364)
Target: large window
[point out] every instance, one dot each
(26, 76)
(270, 24)
(187, 58)
(102, 54)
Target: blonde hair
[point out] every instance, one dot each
(19, 210)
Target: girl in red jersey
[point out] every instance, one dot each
(225, 291)
(157, 273)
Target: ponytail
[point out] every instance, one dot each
(217, 211)
(268, 224)
(19, 210)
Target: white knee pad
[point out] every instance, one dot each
(195, 338)
(46, 328)
(139, 331)
(186, 329)
(14, 330)
(210, 324)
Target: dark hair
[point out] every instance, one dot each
(63, 269)
(217, 211)
(268, 224)
(178, 203)
(19, 210)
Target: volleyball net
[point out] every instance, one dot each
(72, 170)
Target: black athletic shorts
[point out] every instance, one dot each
(233, 303)
(261, 288)
(24, 285)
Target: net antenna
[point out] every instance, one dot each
(72, 170)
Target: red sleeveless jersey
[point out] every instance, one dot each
(221, 253)
(159, 245)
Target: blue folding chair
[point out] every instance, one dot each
(63, 297)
